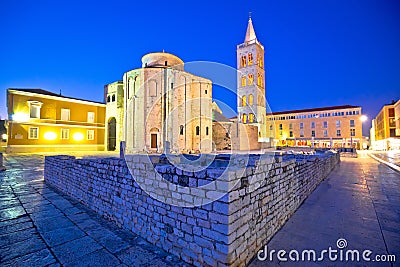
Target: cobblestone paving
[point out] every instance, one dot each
(360, 202)
(42, 227)
(389, 156)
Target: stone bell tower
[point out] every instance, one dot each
(251, 81)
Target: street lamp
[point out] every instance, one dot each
(363, 118)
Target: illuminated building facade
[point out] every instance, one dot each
(40, 121)
(337, 126)
(165, 108)
(385, 131)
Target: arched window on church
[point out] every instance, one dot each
(197, 130)
(108, 99)
(260, 62)
(251, 99)
(243, 81)
(244, 118)
(251, 78)
(259, 77)
(250, 56)
(243, 61)
(244, 101)
(251, 117)
(113, 98)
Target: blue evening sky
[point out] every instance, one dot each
(318, 52)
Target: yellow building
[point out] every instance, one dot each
(40, 121)
(385, 130)
(337, 126)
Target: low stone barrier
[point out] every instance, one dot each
(256, 201)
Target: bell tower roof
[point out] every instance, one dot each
(250, 33)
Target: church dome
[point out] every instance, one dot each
(162, 60)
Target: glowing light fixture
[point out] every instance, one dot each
(50, 135)
(363, 118)
(4, 136)
(78, 136)
(20, 116)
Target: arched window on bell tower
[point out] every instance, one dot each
(250, 56)
(244, 101)
(243, 62)
(243, 80)
(251, 78)
(251, 100)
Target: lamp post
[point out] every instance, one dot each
(363, 118)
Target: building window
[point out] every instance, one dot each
(325, 133)
(108, 99)
(205, 91)
(352, 124)
(90, 117)
(65, 114)
(259, 79)
(280, 126)
(352, 132)
(260, 61)
(301, 125)
(250, 55)
(312, 124)
(301, 133)
(64, 134)
(337, 124)
(270, 127)
(33, 133)
(206, 130)
(34, 109)
(290, 126)
(113, 98)
(243, 61)
(291, 134)
(197, 130)
(251, 99)
(313, 133)
(181, 130)
(338, 133)
(90, 134)
(251, 117)
(251, 78)
(243, 81)
(244, 101)
(244, 118)
(325, 124)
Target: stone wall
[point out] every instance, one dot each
(256, 200)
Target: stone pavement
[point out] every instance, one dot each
(359, 201)
(42, 227)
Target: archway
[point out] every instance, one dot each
(112, 134)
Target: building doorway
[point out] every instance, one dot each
(112, 134)
(153, 141)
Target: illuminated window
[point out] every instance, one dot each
(250, 55)
(197, 130)
(33, 133)
(244, 118)
(90, 134)
(251, 99)
(243, 61)
(64, 134)
(251, 117)
(251, 79)
(260, 62)
(65, 114)
(352, 132)
(259, 79)
(244, 101)
(90, 117)
(34, 109)
(243, 80)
